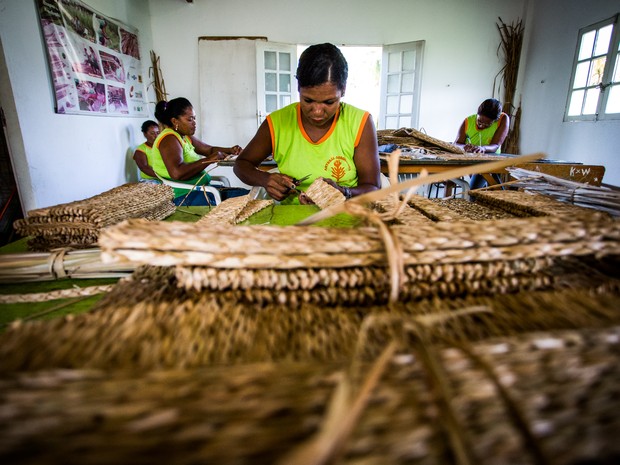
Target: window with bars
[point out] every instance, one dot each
(594, 92)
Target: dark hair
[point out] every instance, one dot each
(491, 108)
(147, 124)
(165, 111)
(322, 63)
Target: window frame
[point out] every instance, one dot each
(611, 63)
(261, 71)
(414, 92)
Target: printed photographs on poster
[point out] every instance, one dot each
(91, 96)
(129, 44)
(117, 101)
(112, 67)
(89, 72)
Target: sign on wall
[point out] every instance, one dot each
(94, 61)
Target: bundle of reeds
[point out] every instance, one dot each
(158, 82)
(78, 224)
(570, 192)
(511, 36)
(61, 263)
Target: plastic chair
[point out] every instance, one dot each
(223, 180)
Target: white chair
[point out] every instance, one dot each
(223, 180)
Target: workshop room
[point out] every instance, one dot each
(326, 232)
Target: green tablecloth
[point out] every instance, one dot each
(281, 215)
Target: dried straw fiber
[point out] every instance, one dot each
(564, 385)
(77, 224)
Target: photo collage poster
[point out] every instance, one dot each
(94, 61)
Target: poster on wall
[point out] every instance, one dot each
(94, 61)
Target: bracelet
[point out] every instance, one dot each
(347, 193)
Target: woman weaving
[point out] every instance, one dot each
(179, 156)
(318, 136)
(484, 132)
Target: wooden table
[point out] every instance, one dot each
(591, 174)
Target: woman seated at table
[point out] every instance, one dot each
(142, 154)
(179, 156)
(318, 136)
(484, 132)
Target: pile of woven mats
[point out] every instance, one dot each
(456, 332)
(78, 224)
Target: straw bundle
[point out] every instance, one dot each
(61, 263)
(158, 80)
(78, 224)
(55, 295)
(323, 194)
(563, 190)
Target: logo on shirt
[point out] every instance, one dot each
(337, 167)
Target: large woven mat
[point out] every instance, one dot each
(561, 404)
(150, 320)
(526, 204)
(257, 344)
(296, 246)
(77, 224)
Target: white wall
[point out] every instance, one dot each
(553, 29)
(61, 158)
(460, 60)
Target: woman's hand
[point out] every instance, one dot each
(279, 186)
(304, 199)
(235, 150)
(332, 183)
(473, 148)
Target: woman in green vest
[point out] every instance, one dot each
(179, 156)
(317, 137)
(484, 132)
(143, 153)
